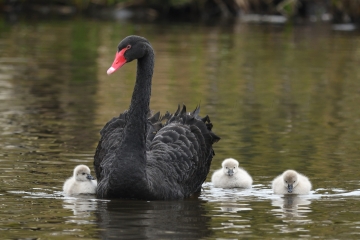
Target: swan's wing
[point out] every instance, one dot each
(153, 126)
(111, 134)
(181, 152)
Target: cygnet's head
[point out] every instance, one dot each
(82, 173)
(230, 166)
(290, 180)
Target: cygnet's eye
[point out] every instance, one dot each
(83, 173)
(234, 167)
(226, 167)
(294, 181)
(285, 181)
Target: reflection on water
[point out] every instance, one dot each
(294, 210)
(81, 206)
(234, 207)
(133, 219)
(291, 206)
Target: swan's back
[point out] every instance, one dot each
(178, 157)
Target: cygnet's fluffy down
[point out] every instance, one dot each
(231, 176)
(291, 182)
(81, 182)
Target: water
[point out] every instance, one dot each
(280, 97)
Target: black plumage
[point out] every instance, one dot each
(147, 156)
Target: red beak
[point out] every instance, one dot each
(118, 62)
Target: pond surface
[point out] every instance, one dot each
(280, 97)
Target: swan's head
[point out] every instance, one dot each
(230, 166)
(130, 48)
(290, 178)
(82, 173)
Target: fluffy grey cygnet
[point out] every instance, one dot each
(291, 182)
(81, 182)
(231, 175)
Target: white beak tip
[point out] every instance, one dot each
(110, 70)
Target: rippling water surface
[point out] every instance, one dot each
(279, 96)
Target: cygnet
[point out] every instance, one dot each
(81, 182)
(231, 176)
(291, 182)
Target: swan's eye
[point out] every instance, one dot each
(83, 173)
(285, 181)
(128, 46)
(294, 181)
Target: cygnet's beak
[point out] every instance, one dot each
(90, 177)
(290, 188)
(230, 172)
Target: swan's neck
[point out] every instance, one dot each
(136, 127)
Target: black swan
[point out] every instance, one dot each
(146, 156)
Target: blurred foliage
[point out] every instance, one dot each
(346, 10)
(342, 10)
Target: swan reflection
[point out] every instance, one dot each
(153, 219)
(233, 207)
(291, 206)
(81, 207)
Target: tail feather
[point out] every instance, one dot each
(155, 118)
(196, 111)
(183, 111)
